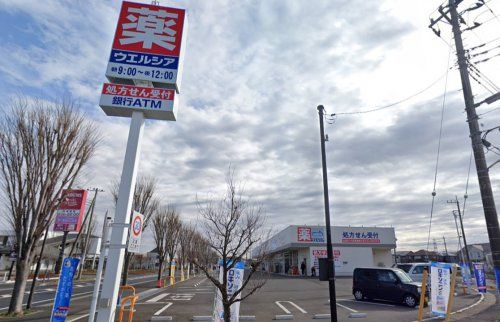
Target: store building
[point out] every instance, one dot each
(352, 247)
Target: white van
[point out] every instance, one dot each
(414, 270)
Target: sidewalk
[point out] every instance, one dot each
(486, 311)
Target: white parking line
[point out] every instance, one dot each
(282, 307)
(78, 317)
(278, 303)
(347, 308)
(160, 311)
(157, 298)
(370, 303)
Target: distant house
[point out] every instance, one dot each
(424, 256)
(477, 252)
(403, 256)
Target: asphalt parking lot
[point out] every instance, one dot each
(294, 298)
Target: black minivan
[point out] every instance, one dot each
(389, 284)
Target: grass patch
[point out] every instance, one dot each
(14, 315)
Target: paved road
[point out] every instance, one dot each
(45, 291)
(299, 297)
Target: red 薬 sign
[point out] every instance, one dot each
(149, 29)
(70, 212)
(304, 234)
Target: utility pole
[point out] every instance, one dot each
(459, 215)
(57, 269)
(329, 248)
(87, 233)
(445, 248)
(490, 212)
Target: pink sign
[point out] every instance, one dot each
(70, 212)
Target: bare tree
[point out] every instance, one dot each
(43, 147)
(232, 226)
(200, 253)
(166, 229)
(185, 239)
(145, 201)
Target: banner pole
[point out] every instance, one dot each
(422, 296)
(452, 294)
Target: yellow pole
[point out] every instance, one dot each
(172, 273)
(422, 296)
(452, 294)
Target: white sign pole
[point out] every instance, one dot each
(100, 265)
(116, 253)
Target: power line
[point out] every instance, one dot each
(492, 110)
(375, 109)
(438, 149)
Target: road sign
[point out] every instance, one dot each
(70, 212)
(148, 45)
(64, 290)
(123, 100)
(134, 242)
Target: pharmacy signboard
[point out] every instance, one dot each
(70, 212)
(123, 100)
(149, 45)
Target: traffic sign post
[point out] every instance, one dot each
(134, 242)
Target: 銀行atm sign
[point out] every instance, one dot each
(148, 45)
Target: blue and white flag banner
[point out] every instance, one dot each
(64, 290)
(480, 277)
(440, 287)
(234, 283)
(466, 276)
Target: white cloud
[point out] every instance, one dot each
(254, 74)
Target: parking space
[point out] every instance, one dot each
(299, 299)
(296, 298)
(180, 302)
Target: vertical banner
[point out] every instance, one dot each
(480, 277)
(64, 290)
(134, 242)
(440, 287)
(70, 212)
(466, 278)
(234, 282)
(497, 278)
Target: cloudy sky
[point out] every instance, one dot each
(254, 74)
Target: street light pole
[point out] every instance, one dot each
(329, 249)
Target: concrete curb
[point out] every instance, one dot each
(465, 314)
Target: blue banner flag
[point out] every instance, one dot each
(497, 277)
(466, 278)
(64, 290)
(480, 277)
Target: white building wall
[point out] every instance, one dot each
(382, 257)
(346, 258)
